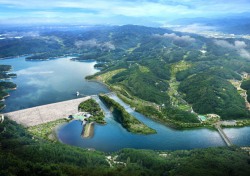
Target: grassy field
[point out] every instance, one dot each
(107, 76)
(46, 131)
(175, 97)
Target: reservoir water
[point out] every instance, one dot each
(43, 82)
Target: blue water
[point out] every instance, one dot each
(239, 136)
(113, 136)
(43, 82)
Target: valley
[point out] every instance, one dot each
(171, 92)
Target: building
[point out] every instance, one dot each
(202, 118)
(1, 118)
(244, 75)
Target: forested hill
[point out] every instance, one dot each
(22, 154)
(155, 65)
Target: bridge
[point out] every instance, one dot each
(222, 134)
(46, 113)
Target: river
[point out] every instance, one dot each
(43, 82)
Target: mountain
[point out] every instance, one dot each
(169, 76)
(157, 65)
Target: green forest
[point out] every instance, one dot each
(92, 107)
(23, 154)
(169, 79)
(147, 56)
(213, 94)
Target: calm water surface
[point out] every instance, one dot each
(43, 82)
(113, 136)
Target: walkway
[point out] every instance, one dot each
(46, 113)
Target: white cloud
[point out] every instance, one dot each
(88, 43)
(239, 46)
(173, 36)
(193, 28)
(93, 43)
(157, 10)
(224, 44)
(244, 53)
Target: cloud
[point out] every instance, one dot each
(108, 45)
(103, 11)
(32, 71)
(239, 46)
(93, 43)
(193, 28)
(224, 44)
(88, 43)
(173, 36)
(244, 53)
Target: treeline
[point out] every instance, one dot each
(5, 68)
(3, 72)
(23, 154)
(45, 56)
(92, 107)
(7, 85)
(127, 121)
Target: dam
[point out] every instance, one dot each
(46, 113)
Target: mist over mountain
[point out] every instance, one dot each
(231, 23)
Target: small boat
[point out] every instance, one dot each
(77, 93)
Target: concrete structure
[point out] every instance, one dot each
(1, 118)
(46, 113)
(202, 118)
(223, 135)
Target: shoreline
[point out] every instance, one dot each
(49, 130)
(100, 82)
(168, 124)
(53, 136)
(10, 57)
(88, 131)
(172, 125)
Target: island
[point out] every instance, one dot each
(127, 120)
(93, 111)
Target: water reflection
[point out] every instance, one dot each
(113, 136)
(58, 80)
(43, 82)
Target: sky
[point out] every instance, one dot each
(115, 12)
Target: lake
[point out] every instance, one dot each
(43, 82)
